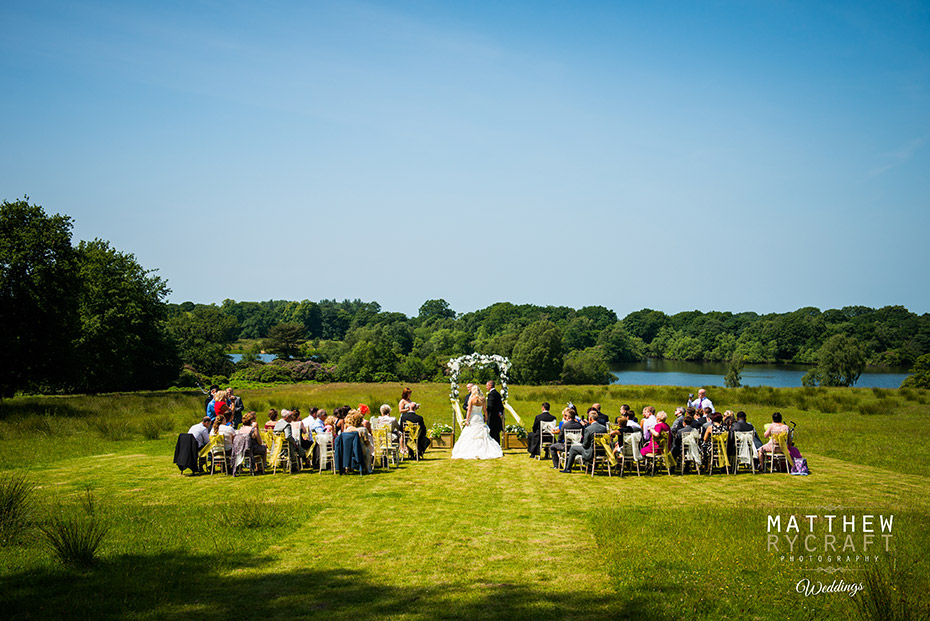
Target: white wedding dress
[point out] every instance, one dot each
(475, 441)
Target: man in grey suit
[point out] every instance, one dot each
(586, 449)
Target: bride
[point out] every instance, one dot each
(475, 441)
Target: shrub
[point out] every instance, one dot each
(74, 540)
(17, 502)
(871, 407)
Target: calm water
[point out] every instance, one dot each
(262, 357)
(677, 373)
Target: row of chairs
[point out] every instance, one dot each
(689, 454)
(219, 453)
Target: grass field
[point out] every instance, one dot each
(510, 538)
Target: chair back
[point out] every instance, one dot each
(411, 435)
(745, 447)
(573, 436)
(631, 442)
(690, 451)
(603, 449)
(324, 440)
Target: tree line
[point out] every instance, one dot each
(89, 318)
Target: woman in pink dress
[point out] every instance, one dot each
(660, 426)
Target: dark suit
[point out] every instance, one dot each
(586, 450)
(744, 426)
(533, 439)
(423, 440)
(495, 407)
(559, 446)
(603, 419)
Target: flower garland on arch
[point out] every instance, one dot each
(455, 366)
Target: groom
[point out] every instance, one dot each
(495, 412)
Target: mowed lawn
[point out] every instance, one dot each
(509, 538)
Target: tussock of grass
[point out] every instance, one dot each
(17, 505)
(74, 540)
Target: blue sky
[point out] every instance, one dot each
(697, 155)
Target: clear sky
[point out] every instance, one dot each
(704, 155)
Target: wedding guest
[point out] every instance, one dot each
(569, 421)
(201, 432)
(329, 425)
(355, 422)
(222, 425)
(679, 419)
(317, 423)
(624, 427)
(533, 439)
(386, 420)
(715, 428)
(235, 405)
(601, 417)
(657, 430)
(585, 450)
(272, 419)
(285, 426)
(256, 444)
(775, 428)
(676, 434)
(649, 421)
(219, 400)
(410, 416)
(210, 396)
(742, 425)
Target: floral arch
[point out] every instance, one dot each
(455, 366)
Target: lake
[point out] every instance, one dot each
(678, 373)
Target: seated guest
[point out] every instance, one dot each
(318, 423)
(272, 419)
(411, 416)
(686, 427)
(256, 444)
(365, 411)
(771, 430)
(659, 428)
(742, 425)
(601, 417)
(632, 422)
(715, 428)
(201, 432)
(585, 450)
(568, 422)
(679, 420)
(623, 428)
(222, 425)
(355, 421)
(648, 422)
(329, 425)
(284, 426)
(386, 420)
(707, 420)
(533, 438)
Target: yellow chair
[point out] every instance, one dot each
(718, 453)
(653, 458)
(603, 453)
(411, 438)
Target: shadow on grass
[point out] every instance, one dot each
(174, 585)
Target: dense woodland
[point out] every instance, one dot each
(89, 318)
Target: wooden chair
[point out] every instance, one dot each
(572, 436)
(219, 452)
(745, 451)
(548, 429)
(661, 456)
(603, 453)
(412, 433)
(385, 449)
(324, 442)
(630, 453)
(718, 453)
(690, 451)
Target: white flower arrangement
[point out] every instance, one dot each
(455, 366)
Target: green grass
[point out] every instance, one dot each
(510, 538)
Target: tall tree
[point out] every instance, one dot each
(537, 356)
(840, 362)
(123, 343)
(38, 280)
